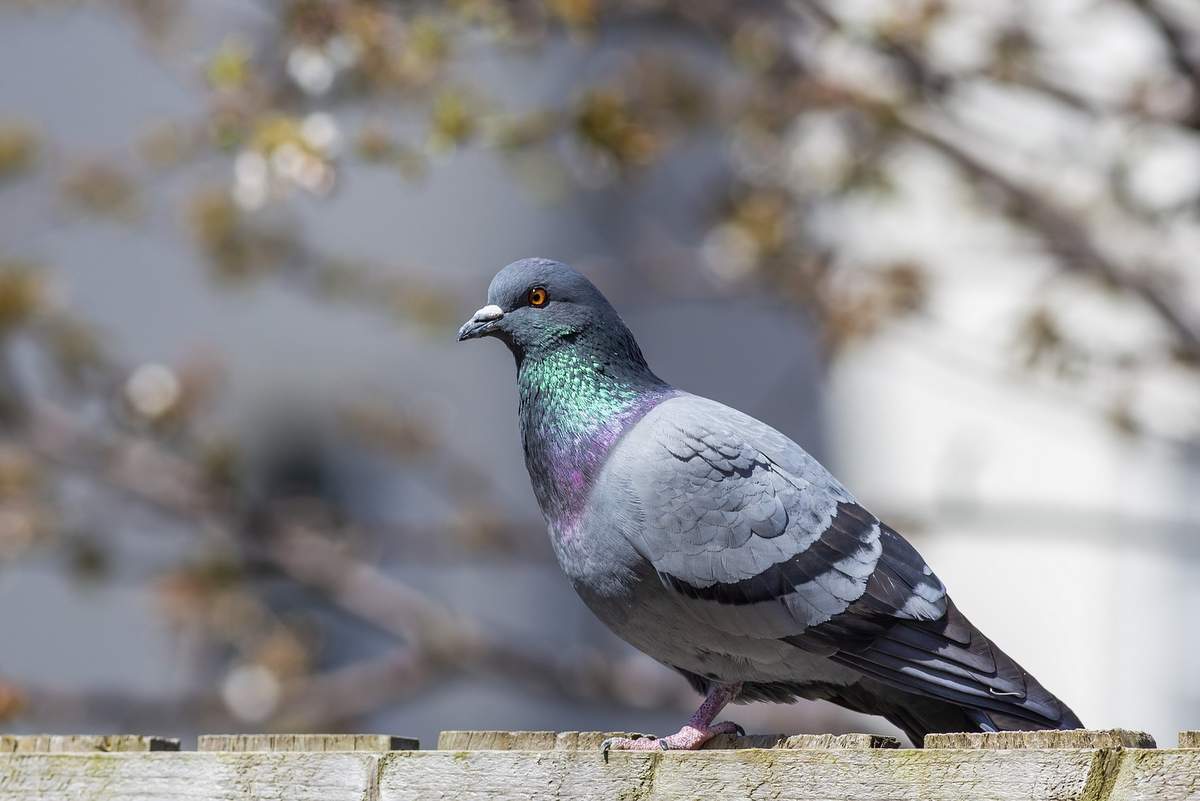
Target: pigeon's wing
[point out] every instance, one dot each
(757, 539)
(756, 535)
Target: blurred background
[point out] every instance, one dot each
(249, 482)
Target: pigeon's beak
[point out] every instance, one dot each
(482, 322)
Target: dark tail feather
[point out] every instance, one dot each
(917, 715)
(945, 675)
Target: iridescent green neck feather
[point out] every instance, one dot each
(576, 400)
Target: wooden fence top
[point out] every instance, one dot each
(1094, 766)
(305, 742)
(1075, 738)
(83, 743)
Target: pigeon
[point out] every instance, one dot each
(722, 549)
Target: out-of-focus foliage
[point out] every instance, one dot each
(18, 148)
(102, 190)
(20, 294)
(821, 109)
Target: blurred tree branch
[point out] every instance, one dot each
(1069, 240)
(1181, 49)
(1063, 234)
(437, 642)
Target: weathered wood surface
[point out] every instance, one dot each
(566, 767)
(76, 743)
(591, 740)
(189, 776)
(1162, 775)
(305, 742)
(799, 774)
(1074, 738)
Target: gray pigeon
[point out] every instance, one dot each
(721, 548)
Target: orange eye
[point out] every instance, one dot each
(538, 297)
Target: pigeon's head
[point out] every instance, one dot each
(536, 306)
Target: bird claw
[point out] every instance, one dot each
(607, 745)
(689, 738)
(626, 743)
(608, 742)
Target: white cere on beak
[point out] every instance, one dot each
(487, 314)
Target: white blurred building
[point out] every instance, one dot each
(1074, 549)
(1074, 545)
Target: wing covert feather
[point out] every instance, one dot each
(743, 524)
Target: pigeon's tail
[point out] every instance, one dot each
(945, 675)
(917, 715)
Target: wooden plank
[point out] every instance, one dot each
(1075, 738)
(496, 741)
(1189, 739)
(799, 774)
(805, 774)
(189, 776)
(1157, 775)
(83, 743)
(591, 740)
(305, 742)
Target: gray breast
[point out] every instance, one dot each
(606, 557)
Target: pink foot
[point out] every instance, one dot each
(689, 738)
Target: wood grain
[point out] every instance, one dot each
(83, 743)
(1158, 775)
(305, 742)
(188, 777)
(1074, 738)
(800, 774)
(567, 767)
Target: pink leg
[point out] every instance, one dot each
(695, 733)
